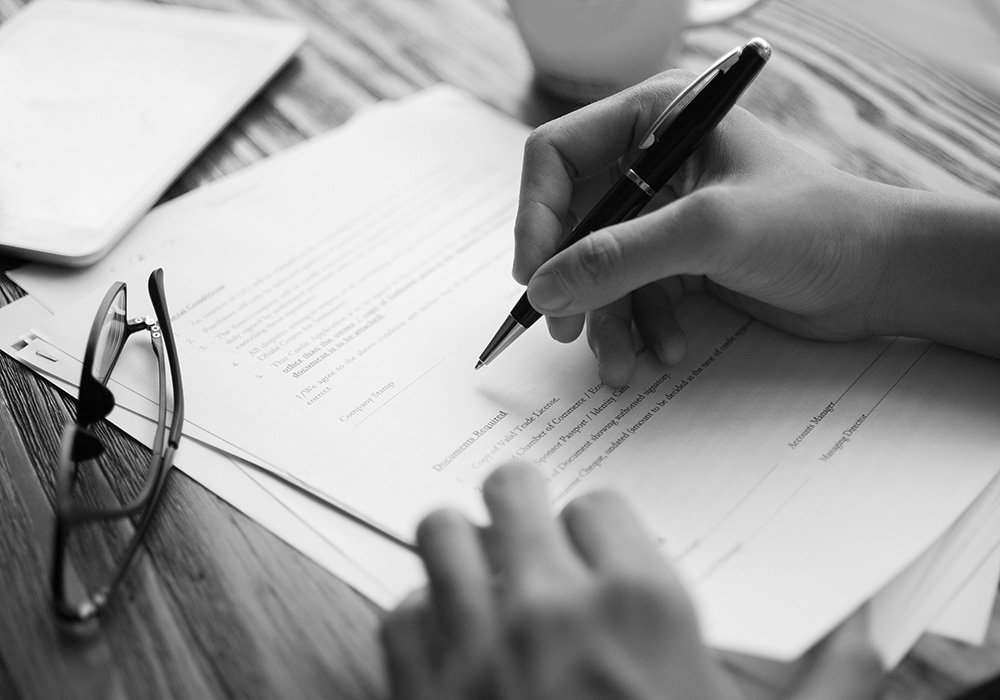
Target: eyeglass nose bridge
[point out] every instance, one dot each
(100, 401)
(85, 446)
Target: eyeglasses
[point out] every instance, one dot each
(81, 508)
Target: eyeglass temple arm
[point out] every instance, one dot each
(159, 299)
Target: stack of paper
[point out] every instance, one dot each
(330, 304)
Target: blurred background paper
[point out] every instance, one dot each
(105, 103)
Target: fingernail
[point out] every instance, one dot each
(548, 293)
(661, 352)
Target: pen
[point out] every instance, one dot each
(674, 136)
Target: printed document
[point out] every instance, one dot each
(330, 316)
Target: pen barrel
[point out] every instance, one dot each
(664, 157)
(622, 202)
(691, 127)
(524, 313)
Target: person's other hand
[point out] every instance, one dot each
(763, 225)
(579, 608)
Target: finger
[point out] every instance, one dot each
(408, 640)
(565, 329)
(610, 538)
(574, 147)
(653, 308)
(844, 667)
(525, 543)
(609, 332)
(460, 581)
(695, 235)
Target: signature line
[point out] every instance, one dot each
(387, 401)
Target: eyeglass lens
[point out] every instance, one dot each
(99, 546)
(110, 340)
(96, 551)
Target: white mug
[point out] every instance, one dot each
(583, 50)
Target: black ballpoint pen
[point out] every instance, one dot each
(678, 131)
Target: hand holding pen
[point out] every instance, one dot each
(749, 217)
(669, 141)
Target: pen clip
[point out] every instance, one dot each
(686, 95)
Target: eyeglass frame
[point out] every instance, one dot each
(96, 401)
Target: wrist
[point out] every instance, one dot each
(943, 260)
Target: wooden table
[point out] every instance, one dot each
(218, 607)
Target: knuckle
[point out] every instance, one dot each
(647, 600)
(606, 332)
(539, 148)
(600, 261)
(712, 213)
(538, 138)
(533, 618)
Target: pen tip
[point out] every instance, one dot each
(479, 364)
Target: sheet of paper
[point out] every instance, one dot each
(379, 568)
(385, 571)
(967, 617)
(919, 596)
(340, 354)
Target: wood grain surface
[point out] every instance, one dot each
(217, 607)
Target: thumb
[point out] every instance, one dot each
(679, 238)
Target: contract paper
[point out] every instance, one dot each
(381, 569)
(385, 570)
(329, 317)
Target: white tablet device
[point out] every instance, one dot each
(103, 104)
